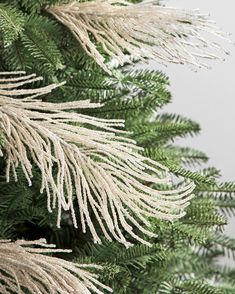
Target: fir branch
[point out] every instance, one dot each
(221, 191)
(35, 49)
(11, 23)
(40, 46)
(187, 156)
(164, 128)
(188, 286)
(199, 287)
(226, 206)
(137, 256)
(36, 6)
(224, 244)
(174, 165)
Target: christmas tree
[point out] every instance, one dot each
(88, 160)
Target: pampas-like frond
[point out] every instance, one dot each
(143, 30)
(24, 267)
(85, 158)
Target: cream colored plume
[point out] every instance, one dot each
(144, 30)
(86, 159)
(24, 267)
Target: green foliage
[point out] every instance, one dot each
(39, 44)
(188, 287)
(186, 156)
(36, 49)
(11, 23)
(162, 129)
(174, 159)
(36, 6)
(223, 244)
(183, 258)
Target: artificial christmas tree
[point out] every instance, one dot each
(71, 171)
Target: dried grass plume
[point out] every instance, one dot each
(24, 267)
(86, 159)
(144, 30)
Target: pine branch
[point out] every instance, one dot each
(226, 206)
(225, 245)
(174, 163)
(11, 23)
(125, 96)
(137, 256)
(164, 128)
(221, 191)
(199, 287)
(190, 286)
(35, 7)
(187, 156)
(38, 43)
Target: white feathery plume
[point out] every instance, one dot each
(144, 30)
(24, 267)
(85, 158)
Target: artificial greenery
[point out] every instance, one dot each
(184, 257)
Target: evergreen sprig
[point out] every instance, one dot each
(11, 24)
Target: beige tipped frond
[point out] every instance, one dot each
(24, 267)
(85, 158)
(144, 30)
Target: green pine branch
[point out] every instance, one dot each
(11, 23)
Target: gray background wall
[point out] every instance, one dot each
(208, 96)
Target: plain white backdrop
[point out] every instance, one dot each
(208, 96)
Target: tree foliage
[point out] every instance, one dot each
(183, 257)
